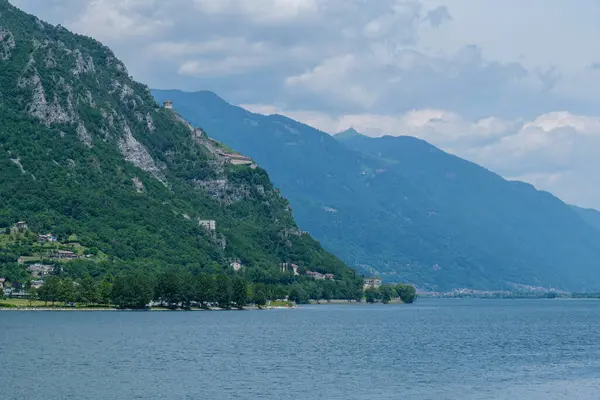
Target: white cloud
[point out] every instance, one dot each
(333, 77)
(556, 120)
(221, 45)
(392, 55)
(110, 19)
(221, 67)
(259, 10)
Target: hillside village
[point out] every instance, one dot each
(46, 255)
(40, 255)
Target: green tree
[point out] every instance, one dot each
(87, 290)
(105, 290)
(31, 295)
(133, 290)
(187, 288)
(386, 292)
(358, 294)
(327, 292)
(298, 295)
(223, 293)
(407, 293)
(169, 287)
(239, 292)
(50, 290)
(372, 295)
(259, 295)
(356, 289)
(204, 289)
(1, 292)
(67, 291)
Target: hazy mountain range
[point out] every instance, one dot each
(402, 208)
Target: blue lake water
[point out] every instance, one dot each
(434, 349)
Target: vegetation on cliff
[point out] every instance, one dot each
(86, 151)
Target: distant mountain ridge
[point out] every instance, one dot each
(348, 133)
(589, 215)
(404, 209)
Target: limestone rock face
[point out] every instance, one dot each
(7, 44)
(136, 153)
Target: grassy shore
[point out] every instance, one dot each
(38, 305)
(9, 304)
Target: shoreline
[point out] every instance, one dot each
(109, 309)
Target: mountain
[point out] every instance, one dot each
(404, 209)
(589, 215)
(85, 150)
(347, 134)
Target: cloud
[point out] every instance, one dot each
(189, 44)
(482, 82)
(220, 67)
(262, 11)
(387, 79)
(391, 56)
(438, 16)
(112, 20)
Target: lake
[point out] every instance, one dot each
(433, 349)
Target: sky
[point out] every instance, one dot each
(510, 84)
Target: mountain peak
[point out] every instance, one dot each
(348, 133)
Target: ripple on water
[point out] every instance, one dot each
(434, 349)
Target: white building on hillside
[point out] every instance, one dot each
(208, 224)
(372, 283)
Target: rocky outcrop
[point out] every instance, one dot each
(109, 117)
(113, 62)
(138, 185)
(223, 191)
(84, 135)
(50, 60)
(38, 105)
(150, 122)
(7, 44)
(17, 162)
(138, 155)
(89, 99)
(82, 66)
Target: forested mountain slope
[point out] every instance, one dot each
(402, 208)
(589, 215)
(86, 150)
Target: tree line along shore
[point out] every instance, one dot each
(178, 288)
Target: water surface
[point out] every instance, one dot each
(434, 349)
